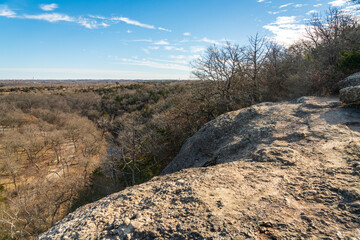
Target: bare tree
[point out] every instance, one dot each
(222, 67)
(333, 33)
(56, 141)
(33, 144)
(255, 57)
(130, 148)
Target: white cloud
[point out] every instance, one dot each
(154, 47)
(277, 12)
(205, 39)
(172, 48)
(128, 31)
(50, 17)
(318, 5)
(98, 17)
(132, 22)
(91, 24)
(48, 7)
(312, 12)
(285, 20)
(6, 12)
(286, 30)
(187, 34)
(338, 3)
(260, 1)
(161, 42)
(352, 10)
(164, 29)
(299, 5)
(154, 64)
(56, 17)
(286, 5)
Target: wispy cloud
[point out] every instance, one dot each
(286, 5)
(48, 7)
(90, 22)
(312, 12)
(132, 22)
(299, 5)
(318, 5)
(162, 42)
(97, 17)
(164, 29)
(277, 12)
(207, 40)
(187, 34)
(172, 48)
(50, 17)
(6, 12)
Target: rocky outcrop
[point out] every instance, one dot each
(285, 170)
(350, 92)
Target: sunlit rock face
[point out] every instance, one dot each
(286, 170)
(350, 90)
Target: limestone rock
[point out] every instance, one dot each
(351, 81)
(350, 95)
(285, 170)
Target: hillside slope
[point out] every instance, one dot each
(273, 171)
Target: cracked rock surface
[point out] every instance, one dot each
(287, 170)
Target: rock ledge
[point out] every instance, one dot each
(285, 170)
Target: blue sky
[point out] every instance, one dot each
(136, 39)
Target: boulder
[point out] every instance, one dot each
(350, 81)
(350, 95)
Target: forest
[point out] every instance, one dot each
(66, 144)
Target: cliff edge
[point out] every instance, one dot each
(285, 170)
